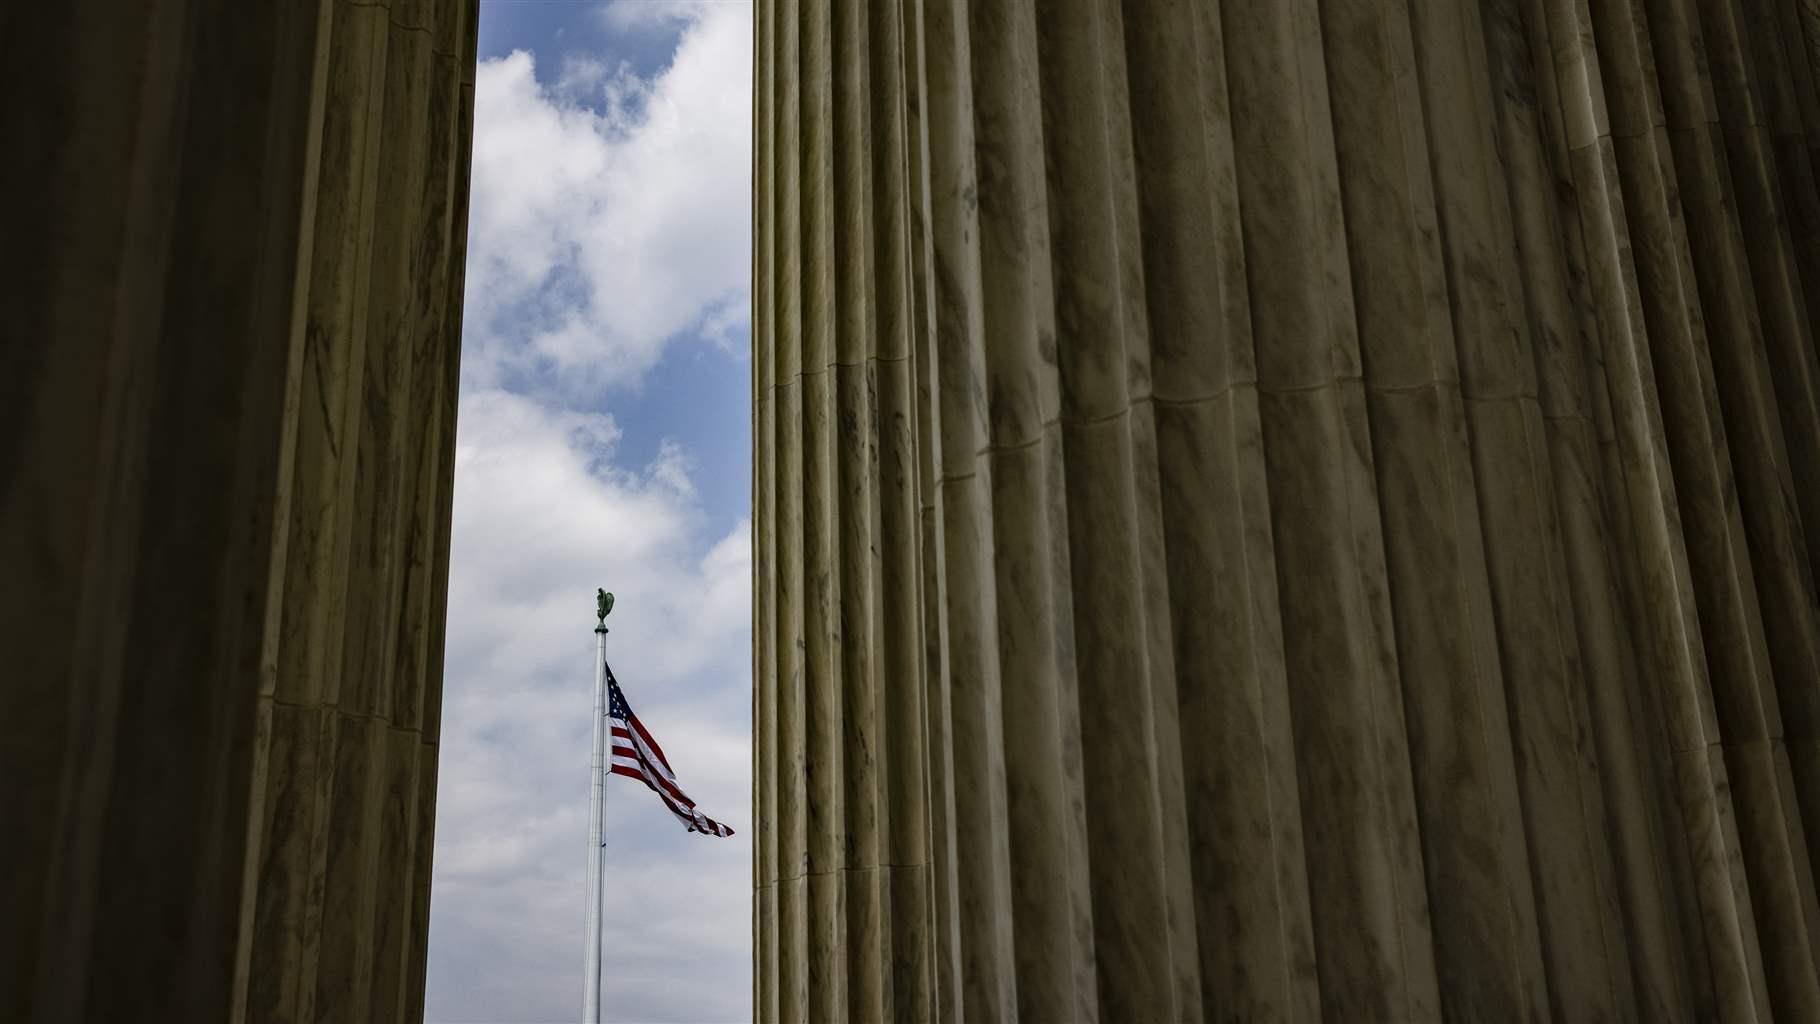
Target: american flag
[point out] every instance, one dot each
(637, 755)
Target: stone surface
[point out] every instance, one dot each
(1286, 511)
(227, 422)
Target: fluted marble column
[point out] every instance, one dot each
(1286, 511)
(226, 456)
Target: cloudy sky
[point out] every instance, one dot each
(604, 439)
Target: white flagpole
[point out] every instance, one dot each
(590, 1001)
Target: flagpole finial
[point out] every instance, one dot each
(603, 603)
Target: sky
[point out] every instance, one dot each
(604, 441)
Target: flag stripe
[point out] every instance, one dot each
(636, 755)
(633, 742)
(624, 755)
(630, 749)
(656, 760)
(639, 772)
(669, 804)
(656, 750)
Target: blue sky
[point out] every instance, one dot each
(604, 440)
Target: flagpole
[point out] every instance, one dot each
(590, 1001)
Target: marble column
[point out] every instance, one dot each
(236, 235)
(1286, 511)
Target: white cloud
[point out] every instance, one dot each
(610, 213)
(634, 15)
(542, 516)
(609, 218)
